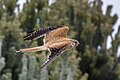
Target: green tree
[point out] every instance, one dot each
(90, 61)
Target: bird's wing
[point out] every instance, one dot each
(55, 50)
(54, 54)
(56, 34)
(39, 33)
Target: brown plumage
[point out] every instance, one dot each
(55, 41)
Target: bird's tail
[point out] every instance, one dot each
(34, 49)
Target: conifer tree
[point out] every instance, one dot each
(90, 61)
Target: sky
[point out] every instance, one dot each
(115, 10)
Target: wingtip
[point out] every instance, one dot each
(45, 63)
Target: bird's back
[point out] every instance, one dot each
(56, 35)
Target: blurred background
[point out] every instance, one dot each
(93, 25)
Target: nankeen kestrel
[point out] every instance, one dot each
(55, 41)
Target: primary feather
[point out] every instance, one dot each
(39, 33)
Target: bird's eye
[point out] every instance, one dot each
(76, 43)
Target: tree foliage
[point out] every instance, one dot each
(90, 61)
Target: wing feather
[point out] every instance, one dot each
(55, 50)
(56, 34)
(39, 33)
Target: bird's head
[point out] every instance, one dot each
(75, 43)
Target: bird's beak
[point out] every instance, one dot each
(77, 44)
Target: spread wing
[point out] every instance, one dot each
(56, 34)
(55, 50)
(39, 33)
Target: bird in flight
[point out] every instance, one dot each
(55, 41)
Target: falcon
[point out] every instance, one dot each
(55, 41)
